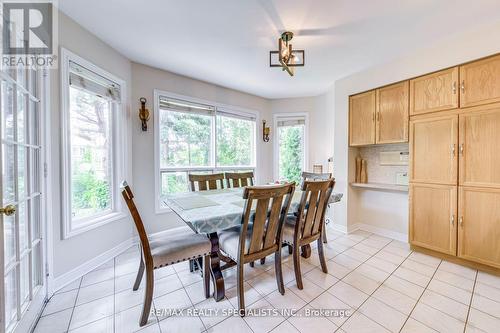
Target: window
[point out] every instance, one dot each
(290, 147)
(92, 124)
(199, 137)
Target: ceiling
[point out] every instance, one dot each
(227, 42)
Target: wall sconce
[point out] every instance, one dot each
(143, 114)
(265, 131)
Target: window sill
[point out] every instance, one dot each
(93, 224)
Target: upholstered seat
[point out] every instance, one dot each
(179, 245)
(229, 240)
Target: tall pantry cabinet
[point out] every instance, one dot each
(455, 161)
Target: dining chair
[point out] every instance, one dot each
(317, 176)
(206, 181)
(239, 179)
(307, 226)
(259, 234)
(170, 248)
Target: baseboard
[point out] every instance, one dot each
(338, 227)
(68, 277)
(379, 231)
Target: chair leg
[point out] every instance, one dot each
(279, 272)
(325, 240)
(148, 296)
(206, 275)
(321, 253)
(140, 273)
(290, 249)
(262, 261)
(240, 289)
(296, 266)
(252, 264)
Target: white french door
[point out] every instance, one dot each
(22, 292)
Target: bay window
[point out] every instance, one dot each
(199, 137)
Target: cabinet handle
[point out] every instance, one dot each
(461, 221)
(462, 86)
(452, 220)
(462, 149)
(453, 150)
(454, 87)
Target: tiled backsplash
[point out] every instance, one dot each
(382, 173)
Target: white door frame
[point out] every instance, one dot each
(276, 116)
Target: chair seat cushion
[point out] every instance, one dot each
(229, 240)
(178, 245)
(289, 229)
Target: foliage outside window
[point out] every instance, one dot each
(196, 138)
(291, 153)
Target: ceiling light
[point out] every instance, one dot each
(286, 57)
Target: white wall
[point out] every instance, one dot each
(145, 80)
(75, 251)
(389, 210)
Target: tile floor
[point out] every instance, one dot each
(381, 285)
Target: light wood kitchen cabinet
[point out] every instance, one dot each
(433, 149)
(479, 225)
(392, 113)
(362, 119)
(479, 147)
(480, 82)
(433, 217)
(434, 92)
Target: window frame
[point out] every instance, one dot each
(292, 115)
(223, 108)
(118, 167)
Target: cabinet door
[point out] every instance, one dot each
(480, 82)
(362, 119)
(433, 217)
(392, 113)
(433, 149)
(479, 225)
(480, 147)
(434, 92)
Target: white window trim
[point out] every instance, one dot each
(159, 209)
(276, 117)
(119, 165)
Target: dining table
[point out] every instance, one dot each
(210, 212)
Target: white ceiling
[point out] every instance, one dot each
(227, 42)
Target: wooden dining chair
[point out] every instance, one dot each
(259, 234)
(307, 226)
(205, 182)
(239, 179)
(317, 176)
(170, 248)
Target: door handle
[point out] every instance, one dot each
(8, 210)
(452, 220)
(461, 221)
(453, 150)
(462, 149)
(454, 87)
(462, 86)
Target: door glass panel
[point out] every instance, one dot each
(35, 218)
(33, 82)
(36, 267)
(21, 117)
(21, 172)
(23, 234)
(9, 229)
(8, 173)
(10, 296)
(7, 111)
(25, 280)
(21, 76)
(33, 119)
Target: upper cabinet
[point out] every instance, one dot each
(480, 82)
(362, 119)
(434, 92)
(392, 113)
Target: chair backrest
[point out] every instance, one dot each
(206, 181)
(143, 236)
(312, 208)
(239, 179)
(271, 205)
(316, 176)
